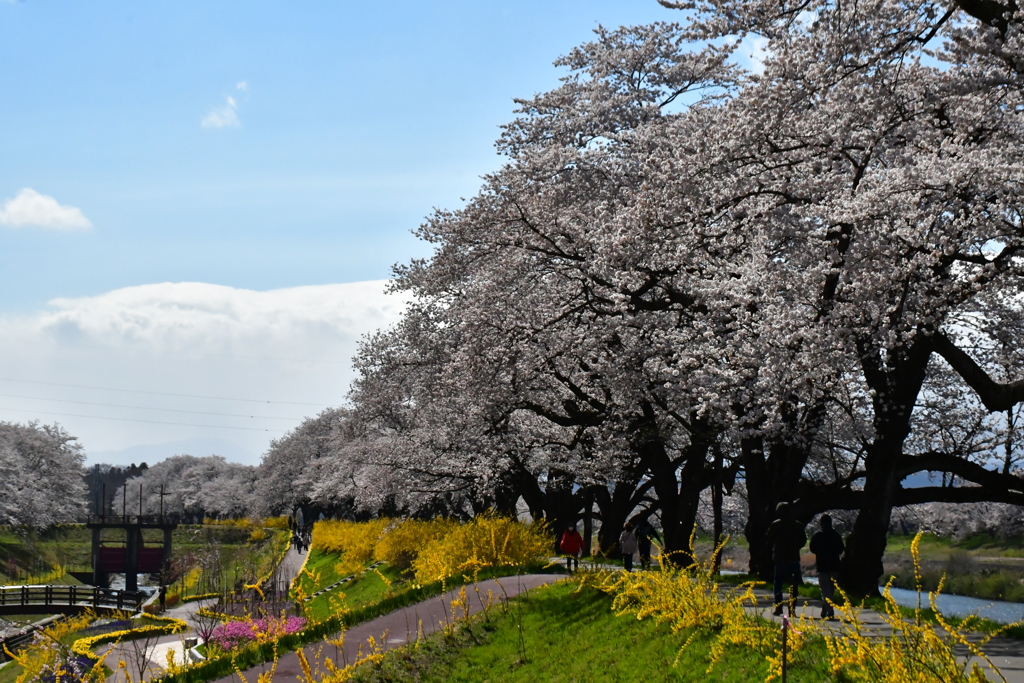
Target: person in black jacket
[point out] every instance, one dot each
(646, 534)
(827, 546)
(786, 534)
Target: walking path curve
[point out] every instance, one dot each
(156, 651)
(402, 626)
(430, 616)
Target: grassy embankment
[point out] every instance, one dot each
(556, 633)
(369, 586)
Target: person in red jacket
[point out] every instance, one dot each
(572, 545)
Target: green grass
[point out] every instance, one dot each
(321, 565)
(366, 589)
(575, 636)
(10, 673)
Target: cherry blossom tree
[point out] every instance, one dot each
(687, 274)
(41, 475)
(190, 486)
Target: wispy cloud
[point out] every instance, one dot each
(225, 115)
(32, 209)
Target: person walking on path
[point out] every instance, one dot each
(827, 546)
(572, 545)
(787, 537)
(645, 535)
(628, 546)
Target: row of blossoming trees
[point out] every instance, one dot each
(688, 277)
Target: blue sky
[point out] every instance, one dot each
(264, 152)
(355, 119)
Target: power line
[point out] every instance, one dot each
(97, 347)
(160, 393)
(160, 410)
(126, 419)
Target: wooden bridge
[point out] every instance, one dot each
(67, 599)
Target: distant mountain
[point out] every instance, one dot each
(154, 453)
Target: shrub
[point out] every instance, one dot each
(258, 535)
(162, 626)
(48, 659)
(914, 650)
(402, 543)
(357, 539)
(281, 522)
(234, 634)
(690, 598)
(486, 541)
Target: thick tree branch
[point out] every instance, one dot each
(990, 480)
(989, 12)
(996, 397)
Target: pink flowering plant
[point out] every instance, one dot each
(235, 634)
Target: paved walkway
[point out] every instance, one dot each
(155, 650)
(404, 625)
(401, 626)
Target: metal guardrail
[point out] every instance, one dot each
(78, 596)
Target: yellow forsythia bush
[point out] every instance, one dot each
(434, 549)
(281, 522)
(486, 541)
(402, 542)
(163, 626)
(914, 649)
(46, 659)
(691, 599)
(355, 539)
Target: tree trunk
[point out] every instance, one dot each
(615, 508)
(716, 506)
(760, 507)
(896, 383)
(862, 563)
(680, 497)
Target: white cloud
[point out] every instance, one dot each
(243, 86)
(30, 208)
(223, 116)
(754, 51)
(292, 346)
